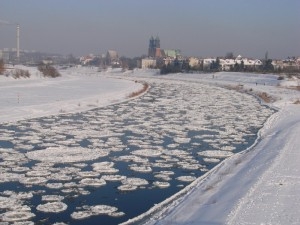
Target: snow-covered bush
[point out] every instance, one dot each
(19, 73)
(48, 71)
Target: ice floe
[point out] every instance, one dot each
(95, 182)
(211, 160)
(52, 198)
(96, 210)
(147, 152)
(52, 207)
(54, 185)
(38, 173)
(135, 181)
(186, 178)
(88, 174)
(161, 184)
(141, 169)
(66, 155)
(15, 216)
(215, 153)
(113, 177)
(33, 180)
(127, 187)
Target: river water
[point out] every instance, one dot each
(110, 164)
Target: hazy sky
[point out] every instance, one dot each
(196, 27)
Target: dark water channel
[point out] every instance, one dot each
(162, 132)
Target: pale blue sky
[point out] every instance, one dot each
(196, 27)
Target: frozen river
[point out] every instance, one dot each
(110, 164)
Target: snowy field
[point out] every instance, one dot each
(78, 89)
(157, 137)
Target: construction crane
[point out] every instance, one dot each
(3, 22)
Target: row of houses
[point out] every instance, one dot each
(111, 58)
(194, 62)
(228, 64)
(225, 64)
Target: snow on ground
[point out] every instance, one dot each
(37, 96)
(258, 186)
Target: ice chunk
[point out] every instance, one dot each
(162, 165)
(21, 195)
(96, 210)
(141, 169)
(52, 207)
(131, 158)
(103, 209)
(33, 180)
(23, 223)
(147, 152)
(66, 155)
(104, 167)
(52, 198)
(211, 160)
(135, 181)
(113, 177)
(188, 166)
(88, 174)
(38, 173)
(116, 214)
(215, 153)
(80, 215)
(161, 184)
(14, 216)
(60, 177)
(20, 169)
(93, 182)
(182, 140)
(127, 187)
(186, 178)
(6, 203)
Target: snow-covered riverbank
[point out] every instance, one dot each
(258, 186)
(78, 89)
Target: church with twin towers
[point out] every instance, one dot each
(154, 50)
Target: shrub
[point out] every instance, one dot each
(19, 73)
(264, 96)
(280, 78)
(134, 94)
(297, 102)
(48, 71)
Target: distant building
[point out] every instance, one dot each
(85, 60)
(154, 50)
(290, 64)
(5, 55)
(194, 62)
(148, 63)
(228, 64)
(112, 58)
(172, 53)
(157, 56)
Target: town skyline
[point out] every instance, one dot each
(198, 28)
